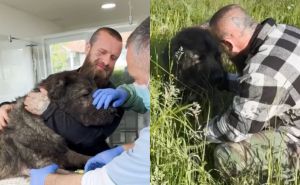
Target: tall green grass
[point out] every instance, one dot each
(179, 154)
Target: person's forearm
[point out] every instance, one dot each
(58, 179)
(128, 146)
(7, 102)
(133, 102)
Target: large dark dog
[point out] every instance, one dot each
(28, 143)
(194, 58)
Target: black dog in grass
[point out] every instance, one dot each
(194, 58)
(28, 143)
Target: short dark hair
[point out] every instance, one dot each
(140, 37)
(114, 33)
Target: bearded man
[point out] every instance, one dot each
(102, 51)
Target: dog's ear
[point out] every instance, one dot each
(57, 90)
(55, 85)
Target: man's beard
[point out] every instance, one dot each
(90, 70)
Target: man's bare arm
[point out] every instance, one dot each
(37, 102)
(58, 179)
(4, 110)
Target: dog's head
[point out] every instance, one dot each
(72, 92)
(194, 58)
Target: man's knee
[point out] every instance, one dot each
(229, 158)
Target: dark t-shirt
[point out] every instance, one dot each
(88, 140)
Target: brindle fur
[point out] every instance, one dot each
(28, 143)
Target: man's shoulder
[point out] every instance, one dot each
(278, 51)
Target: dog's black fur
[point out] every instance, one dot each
(28, 143)
(194, 58)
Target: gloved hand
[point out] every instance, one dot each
(103, 97)
(102, 158)
(38, 176)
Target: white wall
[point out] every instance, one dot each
(16, 66)
(16, 76)
(20, 24)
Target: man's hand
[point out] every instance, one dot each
(4, 110)
(102, 158)
(38, 176)
(128, 146)
(37, 102)
(103, 97)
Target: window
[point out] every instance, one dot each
(65, 52)
(67, 55)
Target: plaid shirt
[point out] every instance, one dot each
(269, 87)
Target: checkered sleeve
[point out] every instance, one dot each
(261, 97)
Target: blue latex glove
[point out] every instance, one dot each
(38, 176)
(104, 97)
(102, 158)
